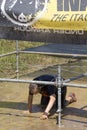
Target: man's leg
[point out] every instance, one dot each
(71, 98)
(63, 98)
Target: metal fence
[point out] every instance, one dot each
(58, 82)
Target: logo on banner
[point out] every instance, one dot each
(23, 12)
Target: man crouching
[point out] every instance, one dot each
(49, 95)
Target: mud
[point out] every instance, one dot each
(13, 107)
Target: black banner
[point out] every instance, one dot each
(40, 35)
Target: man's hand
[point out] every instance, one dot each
(45, 116)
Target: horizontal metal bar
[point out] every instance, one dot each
(75, 85)
(26, 81)
(75, 78)
(43, 82)
(7, 54)
(56, 54)
(46, 53)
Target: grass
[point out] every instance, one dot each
(27, 62)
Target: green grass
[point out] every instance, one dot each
(27, 62)
(10, 45)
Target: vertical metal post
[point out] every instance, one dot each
(59, 82)
(17, 60)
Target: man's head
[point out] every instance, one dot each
(34, 89)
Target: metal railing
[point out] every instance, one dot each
(59, 83)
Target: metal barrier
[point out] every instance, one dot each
(59, 83)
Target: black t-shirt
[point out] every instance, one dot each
(47, 90)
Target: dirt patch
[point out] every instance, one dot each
(13, 103)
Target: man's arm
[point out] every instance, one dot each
(30, 100)
(49, 106)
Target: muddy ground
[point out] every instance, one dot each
(13, 104)
(13, 107)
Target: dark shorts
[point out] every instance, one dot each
(45, 100)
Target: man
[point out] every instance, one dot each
(49, 95)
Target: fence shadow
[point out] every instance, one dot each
(20, 106)
(81, 112)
